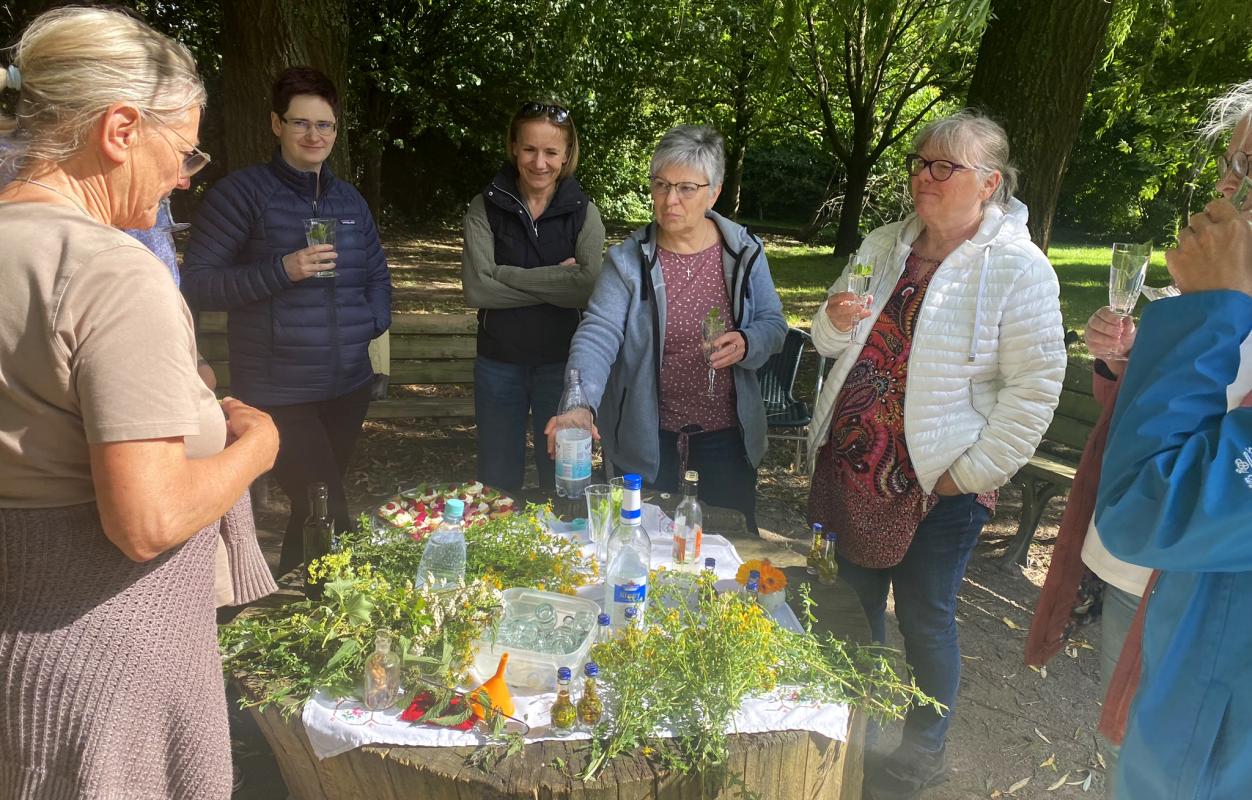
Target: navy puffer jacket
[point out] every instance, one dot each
(289, 342)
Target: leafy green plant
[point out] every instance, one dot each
(702, 653)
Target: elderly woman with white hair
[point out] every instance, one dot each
(639, 348)
(938, 397)
(120, 473)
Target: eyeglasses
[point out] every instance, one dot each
(303, 126)
(558, 114)
(1237, 163)
(940, 169)
(194, 159)
(686, 189)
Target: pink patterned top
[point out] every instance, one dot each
(864, 485)
(693, 284)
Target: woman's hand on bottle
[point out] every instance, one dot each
(306, 263)
(728, 349)
(578, 418)
(845, 309)
(1109, 333)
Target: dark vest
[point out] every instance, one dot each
(538, 334)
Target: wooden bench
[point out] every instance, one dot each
(429, 352)
(1052, 468)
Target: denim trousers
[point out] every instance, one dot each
(727, 477)
(925, 584)
(1115, 620)
(504, 394)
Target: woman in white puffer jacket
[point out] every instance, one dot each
(938, 396)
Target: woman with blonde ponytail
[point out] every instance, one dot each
(120, 473)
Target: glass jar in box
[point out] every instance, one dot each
(541, 632)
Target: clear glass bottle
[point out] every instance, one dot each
(604, 633)
(564, 714)
(688, 522)
(573, 443)
(828, 566)
(815, 550)
(382, 675)
(630, 559)
(710, 565)
(319, 534)
(590, 706)
(630, 617)
(443, 558)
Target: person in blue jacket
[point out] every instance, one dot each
(1176, 495)
(298, 341)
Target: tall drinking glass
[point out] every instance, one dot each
(1129, 268)
(859, 276)
(711, 327)
(599, 517)
(321, 230)
(618, 485)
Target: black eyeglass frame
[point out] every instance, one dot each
(912, 159)
(312, 125)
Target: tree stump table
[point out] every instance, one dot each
(778, 765)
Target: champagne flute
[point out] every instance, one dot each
(1126, 273)
(859, 276)
(165, 219)
(711, 327)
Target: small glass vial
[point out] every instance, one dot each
(564, 715)
(828, 566)
(590, 706)
(751, 589)
(710, 565)
(604, 629)
(382, 674)
(632, 616)
(815, 550)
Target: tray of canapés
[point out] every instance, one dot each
(419, 511)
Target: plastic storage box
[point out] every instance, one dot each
(528, 669)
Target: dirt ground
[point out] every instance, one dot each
(1017, 732)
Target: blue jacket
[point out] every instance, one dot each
(1176, 495)
(289, 342)
(618, 345)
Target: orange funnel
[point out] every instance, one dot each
(497, 691)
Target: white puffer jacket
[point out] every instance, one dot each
(988, 355)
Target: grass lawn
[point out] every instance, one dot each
(802, 275)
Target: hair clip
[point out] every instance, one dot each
(15, 78)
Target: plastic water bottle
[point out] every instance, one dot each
(630, 559)
(573, 444)
(444, 557)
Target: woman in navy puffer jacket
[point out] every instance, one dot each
(298, 341)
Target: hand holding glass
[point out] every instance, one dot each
(320, 230)
(1126, 274)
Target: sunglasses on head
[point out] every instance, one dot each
(558, 114)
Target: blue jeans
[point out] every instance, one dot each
(925, 584)
(727, 477)
(503, 395)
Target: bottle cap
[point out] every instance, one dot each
(603, 619)
(817, 527)
(572, 375)
(692, 476)
(710, 562)
(631, 612)
(454, 509)
(563, 674)
(754, 575)
(633, 481)
(591, 669)
(830, 536)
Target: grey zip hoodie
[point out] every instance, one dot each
(617, 347)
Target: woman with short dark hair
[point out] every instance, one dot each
(300, 316)
(533, 245)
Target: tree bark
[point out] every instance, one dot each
(1034, 69)
(260, 38)
(737, 138)
(377, 112)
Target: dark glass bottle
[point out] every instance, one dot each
(319, 534)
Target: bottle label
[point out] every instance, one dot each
(573, 458)
(629, 592)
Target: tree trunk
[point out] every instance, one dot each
(848, 236)
(260, 39)
(377, 117)
(1034, 68)
(737, 139)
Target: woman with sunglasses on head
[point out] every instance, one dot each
(300, 316)
(533, 246)
(120, 473)
(640, 349)
(942, 395)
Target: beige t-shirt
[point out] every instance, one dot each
(96, 345)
